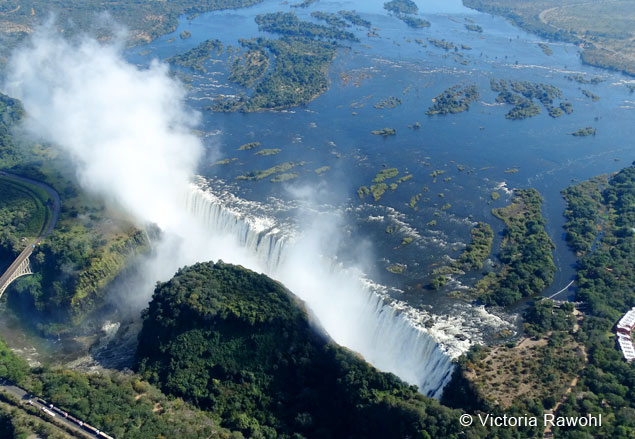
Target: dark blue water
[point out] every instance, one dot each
(474, 148)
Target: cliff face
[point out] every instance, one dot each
(72, 271)
(239, 344)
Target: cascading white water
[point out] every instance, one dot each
(346, 305)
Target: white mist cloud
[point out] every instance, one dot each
(127, 129)
(129, 135)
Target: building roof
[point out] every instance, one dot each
(627, 348)
(628, 321)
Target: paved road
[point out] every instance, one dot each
(55, 199)
(24, 396)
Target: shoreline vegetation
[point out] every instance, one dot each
(146, 21)
(603, 30)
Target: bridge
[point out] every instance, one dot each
(21, 265)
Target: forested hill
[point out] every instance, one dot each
(237, 343)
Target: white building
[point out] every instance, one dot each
(624, 340)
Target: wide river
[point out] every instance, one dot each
(474, 148)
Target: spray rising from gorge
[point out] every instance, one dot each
(129, 135)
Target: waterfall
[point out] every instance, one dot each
(351, 309)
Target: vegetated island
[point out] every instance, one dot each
(354, 18)
(405, 11)
(250, 67)
(526, 253)
(195, 58)
(545, 49)
(384, 132)
(521, 95)
(584, 132)
(455, 99)
(401, 7)
(472, 258)
(414, 22)
(269, 151)
(379, 187)
(604, 30)
(478, 250)
(474, 27)
(248, 146)
(581, 79)
(331, 19)
(300, 60)
(278, 169)
(304, 4)
(441, 44)
(287, 23)
(590, 95)
(389, 102)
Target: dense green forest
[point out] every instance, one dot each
(121, 404)
(606, 284)
(239, 344)
(584, 213)
(528, 266)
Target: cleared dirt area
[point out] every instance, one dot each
(504, 374)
